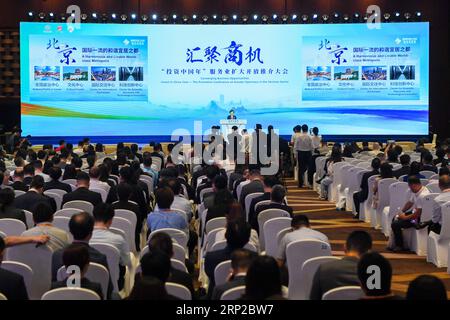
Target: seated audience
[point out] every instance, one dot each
(342, 272)
(18, 183)
(12, 285)
(149, 288)
(378, 288)
(94, 182)
(435, 223)
(7, 208)
(362, 195)
(405, 161)
(426, 287)
(164, 217)
(328, 179)
(263, 280)
(255, 185)
(219, 184)
(34, 196)
(221, 205)
(301, 230)
(28, 174)
(277, 197)
(241, 259)
(414, 170)
(409, 216)
(54, 183)
(179, 201)
(78, 255)
(385, 173)
(43, 218)
(269, 182)
(82, 192)
(427, 163)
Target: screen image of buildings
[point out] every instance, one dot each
(346, 73)
(131, 74)
(47, 73)
(318, 73)
(75, 74)
(103, 73)
(402, 72)
(374, 73)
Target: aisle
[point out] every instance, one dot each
(338, 224)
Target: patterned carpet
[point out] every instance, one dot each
(338, 224)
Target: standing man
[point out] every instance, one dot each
(303, 147)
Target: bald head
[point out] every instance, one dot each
(444, 182)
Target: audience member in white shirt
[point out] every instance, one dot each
(94, 174)
(301, 231)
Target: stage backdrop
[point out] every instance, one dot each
(148, 80)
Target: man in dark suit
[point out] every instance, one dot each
(18, 180)
(342, 272)
(269, 182)
(234, 139)
(163, 242)
(81, 226)
(241, 259)
(34, 196)
(211, 173)
(361, 196)
(55, 173)
(83, 192)
(277, 196)
(427, 160)
(219, 184)
(237, 236)
(255, 185)
(405, 161)
(28, 174)
(12, 285)
(77, 254)
(231, 115)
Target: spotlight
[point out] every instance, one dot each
(304, 18)
(154, 17)
(244, 18)
(294, 17)
(174, 17)
(325, 17)
(185, 18)
(407, 16)
(30, 14)
(94, 15)
(336, 15)
(144, 18)
(356, 16)
(41, 16)
(133, 16)
(397, 14)
(214, 16)
(284, 18)
(165, 18)
(62, 17)
(123, 18)
(346, 17)
(265, 18)
(387, 16)
(234, 17)
(113, 16)
(315, 16)
(84, 17)
(255, 17)
(418, 14)
(224, 18)
(205, 18)
(194, 17)
(51, 15)
(274, 16)
(366, 16)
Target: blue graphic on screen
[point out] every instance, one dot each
(149, 80)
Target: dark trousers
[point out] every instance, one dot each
(303, 158)
(358, 198)
(312, 168)
(435, 227)
(397, 227)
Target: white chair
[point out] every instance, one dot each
(398, 196)
(433, 187)
(69, 294)
(434, 177)
(56, 197)
(67, 212)
(427, 173)
(39, 259)
(344, 293)
(179, 236)
(239, 188)
(113, 257)
(215, 223)
(63, 223)
(424, 182)
(266, 215)
(128, 215)
(298, 252)
(178, 290)
(148, 181)
(248, 201)
(95, 272)
(70, 181)
(261, 203)
(222, 244)
(437, 244)
(417, 239)
(127, 228)
(205, 191)
(383, 201)
(365, 208)
(210, 240)
(102, 192)
(302, 289)
(18, 193)
(29, 218)
(2, 297)
(342, 177)
(353, 183)
(271, 228)
(177, 264)
(157, 162)
(332, 190)
(233, 294)
(57, 191)
(80, 204)
(20, 268)
(281, 234)
(221, 272)
(12, 227)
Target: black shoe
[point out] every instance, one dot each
(356, 216)
(421, 225)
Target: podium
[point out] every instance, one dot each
(227, 125)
